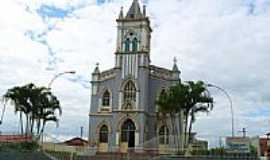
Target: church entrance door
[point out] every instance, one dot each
(128, 133)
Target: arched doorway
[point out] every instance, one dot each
(128, 129)
(103, 139)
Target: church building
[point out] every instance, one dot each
(123, 112)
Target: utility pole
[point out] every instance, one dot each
(220, 142)
(81, 131)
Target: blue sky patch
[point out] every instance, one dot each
(100, 2)
(251, 6)
(265, 111)
(46, 11)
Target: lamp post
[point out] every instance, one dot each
(230, 100)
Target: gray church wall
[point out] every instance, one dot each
(143, 79)
(95, 124)
(155, 87)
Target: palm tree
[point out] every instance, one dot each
(185, 100)
(48, 110)
(16, 97)
(165, 108)
(169, 105)
(37, 104)
(197, 101)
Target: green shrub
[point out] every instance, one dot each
(217, 151)
(200, 152)
(29, 146)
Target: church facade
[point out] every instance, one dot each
(123, 112)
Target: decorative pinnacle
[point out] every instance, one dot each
(175, 60)
(121, 12)
(96, 71)
(175, 67)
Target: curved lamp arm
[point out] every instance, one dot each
(230, 100)
(58, 75)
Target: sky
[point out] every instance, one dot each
(222, 42)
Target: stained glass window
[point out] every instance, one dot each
(130, 92)
(106, 98)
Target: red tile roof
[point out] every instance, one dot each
(15, 138)
(76, 142)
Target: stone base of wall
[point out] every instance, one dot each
(146, 156)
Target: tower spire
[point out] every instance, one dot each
(135, 10)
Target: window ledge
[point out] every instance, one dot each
(105, 109)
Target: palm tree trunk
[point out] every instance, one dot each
(43, 127)
(173, 127)
(38, 126)
(185, 132)
(32, 123)
(180, 126)
(189, 130)
(21, 122)
(176, 132)
(27, 125)
(42, 131)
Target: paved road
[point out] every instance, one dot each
(13, 155)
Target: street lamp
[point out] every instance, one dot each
(58, 75)
(230, 100)
(53, 79)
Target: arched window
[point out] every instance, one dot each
(127, 45)
(135, 44)
(130, 92)
(103, 134)
(163, 135)
(106, 99)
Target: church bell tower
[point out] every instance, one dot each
(133, 41)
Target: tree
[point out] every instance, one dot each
(185, 100)
(37, 104)
(198, 99)
(167, 108)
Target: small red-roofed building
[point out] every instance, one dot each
(76, 142)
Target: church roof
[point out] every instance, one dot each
(135, 10)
